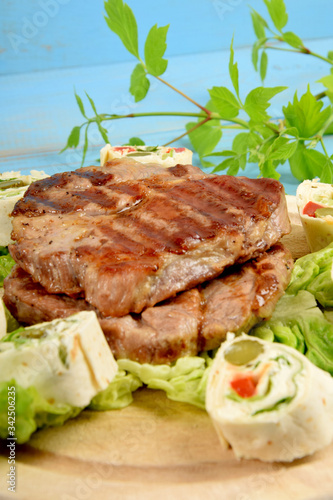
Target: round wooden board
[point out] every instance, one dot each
(157, 448)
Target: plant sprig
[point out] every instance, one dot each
(260, 138)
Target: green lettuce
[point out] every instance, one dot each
(185, 380)
(313, 273)
(118, 394)
(298, 320)
(33, 411)
(6, 264)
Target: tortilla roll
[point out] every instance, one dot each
(13, 185)
(318, 226)
(66, 360)
(268, 401)
(165, 156)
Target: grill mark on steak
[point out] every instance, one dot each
(163, 232)
(193, 321)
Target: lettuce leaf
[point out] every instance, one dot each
(33, 411)
(313, 273)
(298, 322)
(118, 394)
(6, 264)
(185, 380)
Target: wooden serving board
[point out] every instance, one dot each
(158, 449)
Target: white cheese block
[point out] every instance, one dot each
(166, 156)
(9, 196)
(269, 401)
(66, 360)
(318, 230)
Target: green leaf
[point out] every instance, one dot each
(139, 83)
(80, 104)
(257, 101)
(240, 144)
(327, 81)
(73, 139)
(293, 40)
(92, 105)
(278, 13)
(204, 138)
(155, 47)
(122, 22)
(329, 130)
(226, 152)
(282, 149)
(307, 163)
(263, 65)
(255, 51)
(135, 141)
(268, 170)
(306, 115)
(233, 69)
(85, 146)
(259, 24)
(6, 264)
(327, 172)
(225, 102)
(103, 132)
(231, 164)
(291, 131)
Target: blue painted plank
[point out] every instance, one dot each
(38, 109)
(40, 35)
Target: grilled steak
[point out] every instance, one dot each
(193, 321)
(126, 236)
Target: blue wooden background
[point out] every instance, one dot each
(50, 47)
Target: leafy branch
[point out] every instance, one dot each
(260, 138)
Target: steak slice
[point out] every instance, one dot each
(126, 236)
(195, 320)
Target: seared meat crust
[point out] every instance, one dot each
(127, 236)
(195, 320)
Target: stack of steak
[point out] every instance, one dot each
(171, 259)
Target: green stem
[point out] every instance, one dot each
(212, 116)
(325, 127)
(197, 125)
(205, 110)
(324, 148)
(152, 113)
(323, 58)
(303, 50)
(321, 95)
